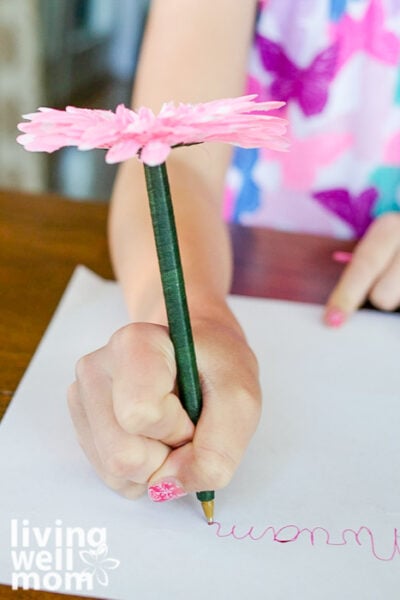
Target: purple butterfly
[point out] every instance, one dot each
(354, 210)
(308, 86)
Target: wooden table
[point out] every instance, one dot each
(43, 238)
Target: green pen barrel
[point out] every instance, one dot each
(166, 239)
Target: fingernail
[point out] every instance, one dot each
(342, 257)
(335, 317)
(166, 489)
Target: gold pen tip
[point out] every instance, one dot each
(208, 509)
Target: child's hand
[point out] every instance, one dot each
(132, 426)
(373, 273)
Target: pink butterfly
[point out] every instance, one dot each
(301, 164)
(368, 35)
(309, 86)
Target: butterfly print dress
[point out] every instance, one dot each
(337, 65)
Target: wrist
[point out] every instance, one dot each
(205, 307)
(213, 312)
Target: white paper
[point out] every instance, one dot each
(325, 458)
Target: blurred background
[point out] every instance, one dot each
(60, 52)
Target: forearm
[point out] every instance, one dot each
(185, 60)
(203, 238)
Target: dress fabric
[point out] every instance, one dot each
(336, 63)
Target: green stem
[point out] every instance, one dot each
(162, 216)
(174, 288)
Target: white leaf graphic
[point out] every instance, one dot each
(88, 556)
(102, 576)
(98, 563)
(101, 550)
(110, 563)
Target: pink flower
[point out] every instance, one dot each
(126, 133)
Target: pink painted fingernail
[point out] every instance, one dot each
(166, 489)
(335, 317)
(342, 257)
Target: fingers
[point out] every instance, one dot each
(144, 375)
(120, 485)
(123, 407)
(231, 410)
(373, 272)
(385, 294)
(132, 457)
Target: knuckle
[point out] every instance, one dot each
(85, 367)
(124, 339)
(137, 415)
(383, 300)
(123, 465)
(131, 338)
(144, 342)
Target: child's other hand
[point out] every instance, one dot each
(131, 425)
(373, 273)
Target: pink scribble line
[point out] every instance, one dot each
(283, 535)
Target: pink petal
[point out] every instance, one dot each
(122, 151)
(36, 144)
(154, 153)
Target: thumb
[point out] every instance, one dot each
(210, 460)
(189, 469)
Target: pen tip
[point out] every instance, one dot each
(208, 509)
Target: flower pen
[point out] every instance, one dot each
(126, 133)
(180, 330)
